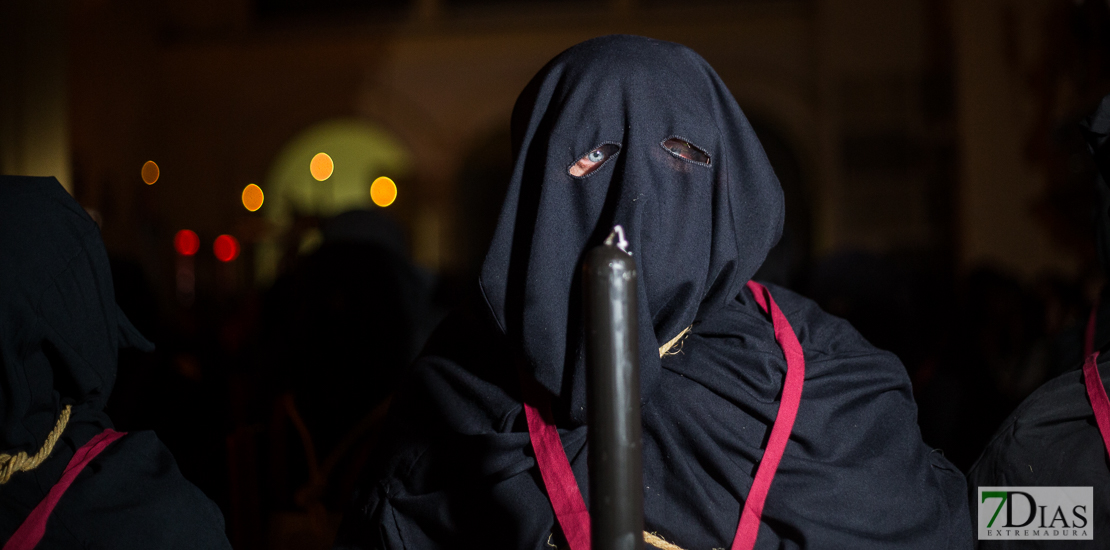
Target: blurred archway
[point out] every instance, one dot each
(303, 187)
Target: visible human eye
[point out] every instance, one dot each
(593, 160)
(684, 149)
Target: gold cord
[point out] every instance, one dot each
(21, 462)
(665, 349)
(658, 542)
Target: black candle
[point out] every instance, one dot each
(613, 396)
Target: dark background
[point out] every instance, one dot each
(938, 195)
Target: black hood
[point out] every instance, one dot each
(698, 231)
(60, 327)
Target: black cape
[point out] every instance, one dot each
(1052, 439)
(457, 469)
(60, 332)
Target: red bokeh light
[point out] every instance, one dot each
(186, 242)
(226, 248)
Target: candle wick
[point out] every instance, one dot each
(616, 238)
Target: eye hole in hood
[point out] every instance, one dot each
(593, 160)
(685, 150)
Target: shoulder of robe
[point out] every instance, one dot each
(133, 496)
(821, 334)
(1049, 438)
(818, 331)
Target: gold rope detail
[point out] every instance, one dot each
(665, 349)
(656, 540)
(20, 462)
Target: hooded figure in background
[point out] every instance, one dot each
(1057, 437)
(67, 480)
(642, 133)
(338, 329)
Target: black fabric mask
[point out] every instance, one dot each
(60, 327)
(698, 230)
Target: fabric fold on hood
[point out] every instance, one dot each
(60, 327)
(698, 230)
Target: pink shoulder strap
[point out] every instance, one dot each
(34, 527)
(562, 487)
(558, 478)
(1096, 392)
(784, 421)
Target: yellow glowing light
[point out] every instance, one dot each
(383, 191)
(150, 172)
(252, 197)
(321, 166)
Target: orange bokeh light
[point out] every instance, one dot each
(321, 166)
(186, 242)
(150, 172)
(226, 248)
(383, 191)
(252, 197)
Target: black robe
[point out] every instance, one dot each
(60, 331)
(1052, 439)
(457, 469)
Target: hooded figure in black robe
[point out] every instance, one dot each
(60, 332)
(642, 133)
(1052, 438)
